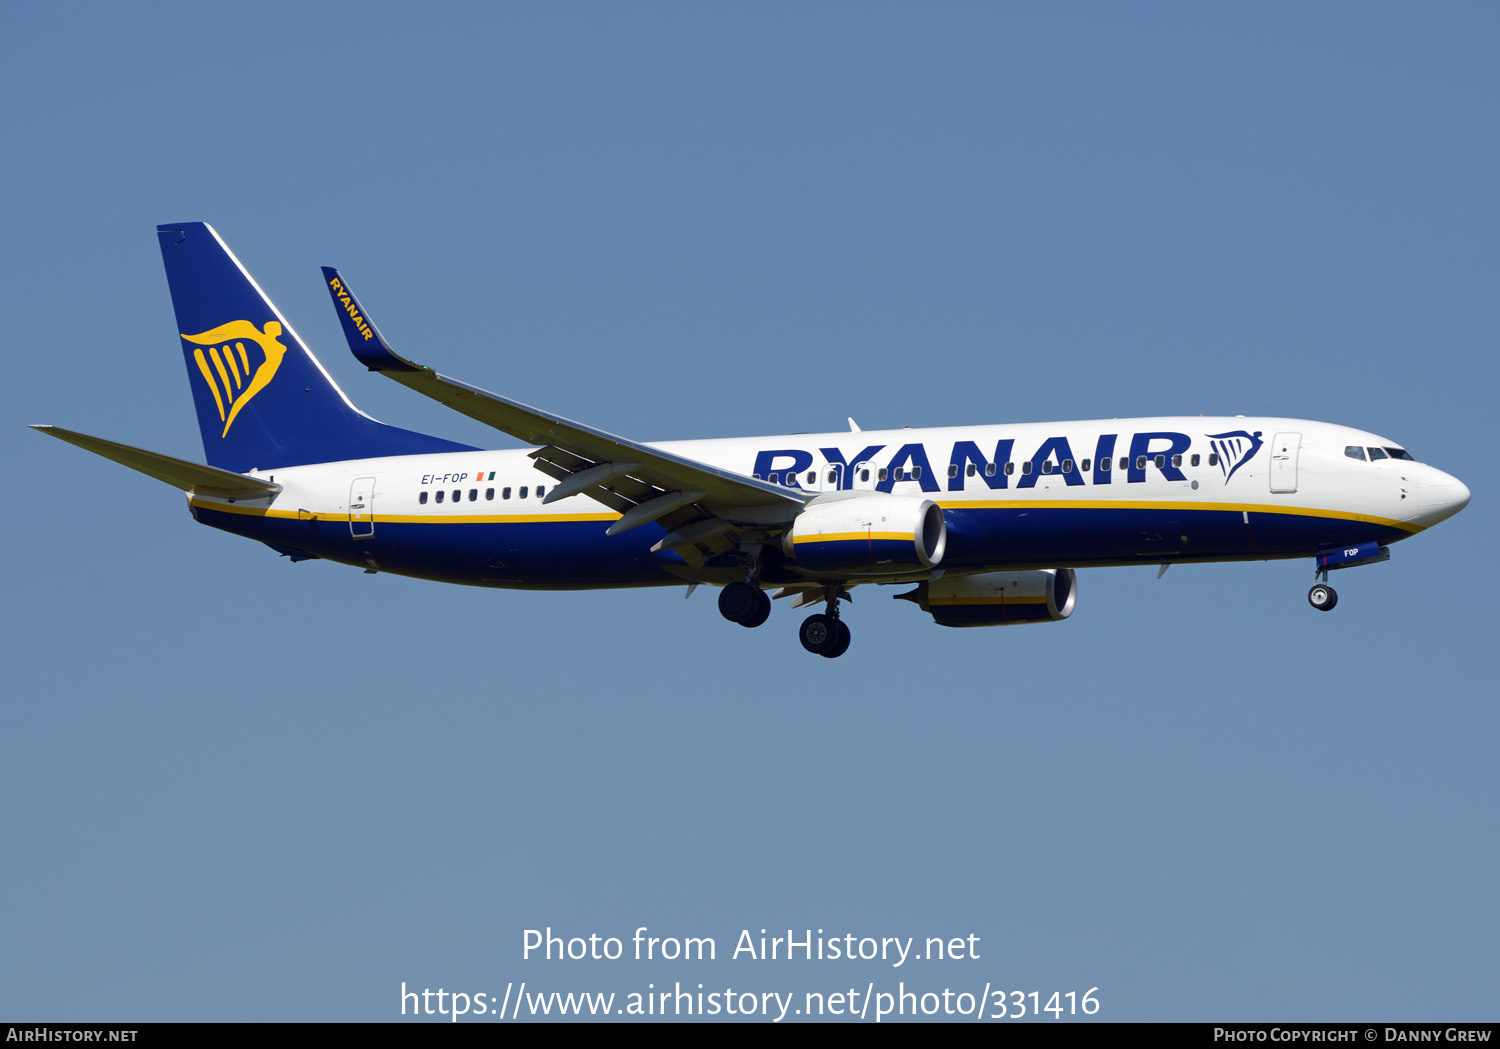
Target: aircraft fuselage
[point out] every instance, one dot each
(1024, 496)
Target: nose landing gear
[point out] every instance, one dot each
(1323, 597)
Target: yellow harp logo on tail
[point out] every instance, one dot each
(228, 362)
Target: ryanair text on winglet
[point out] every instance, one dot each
(348, 300)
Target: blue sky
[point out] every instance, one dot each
(238, 788)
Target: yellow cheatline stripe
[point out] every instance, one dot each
(829, 538)
(341, 515)
(208, 378)
(493, 518)
(844, 537)
(1108, 504)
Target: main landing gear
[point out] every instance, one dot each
(744, 604)
(823, 634)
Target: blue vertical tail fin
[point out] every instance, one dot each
(263, 400)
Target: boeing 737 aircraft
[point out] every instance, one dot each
(986, 524)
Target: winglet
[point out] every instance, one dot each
(365, 341)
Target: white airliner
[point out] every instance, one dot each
(987, 524)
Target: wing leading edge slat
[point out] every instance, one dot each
(654, 475)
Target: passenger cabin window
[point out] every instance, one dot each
(1067, 466)
(971, 471)
(1140, 462)
(505, 493)
(473, 495)
(1176, 460)
(489, 495)
(1125, 462)
(1010, 467)
(541, 490)
(1161, 462)
(1026, 466)
(812, 477)
(1213, 458)
(1047, 467)
(458, 495)
(440, 495)
(953, 469)
(989, 469)
(524, 489)
(1084, 466)
(882, 473)
(864, 475)
(422, 498)
(775, 478)
(1195, 459)
(1104, 465)
(900, 473)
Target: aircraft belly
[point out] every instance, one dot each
(1118, 535)
(579, 555)
(530, 555)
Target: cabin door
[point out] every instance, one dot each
(1284, 450)
(362, 507)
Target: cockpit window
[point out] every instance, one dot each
(1376, 453)
(1354, 451)
(1400, 453)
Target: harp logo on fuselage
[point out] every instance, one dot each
(1235, 448)
(233, 373)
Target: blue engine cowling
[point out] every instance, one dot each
(998, 598)
(872, 534)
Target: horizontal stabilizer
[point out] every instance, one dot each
(179, 473)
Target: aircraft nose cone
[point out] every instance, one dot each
(1439, 496)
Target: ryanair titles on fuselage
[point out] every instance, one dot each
(1055, 458)
(1165, 451)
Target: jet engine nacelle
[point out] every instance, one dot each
(998, 598)
(873, 534)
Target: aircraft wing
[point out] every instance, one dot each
(179, 473)
(640, 482)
